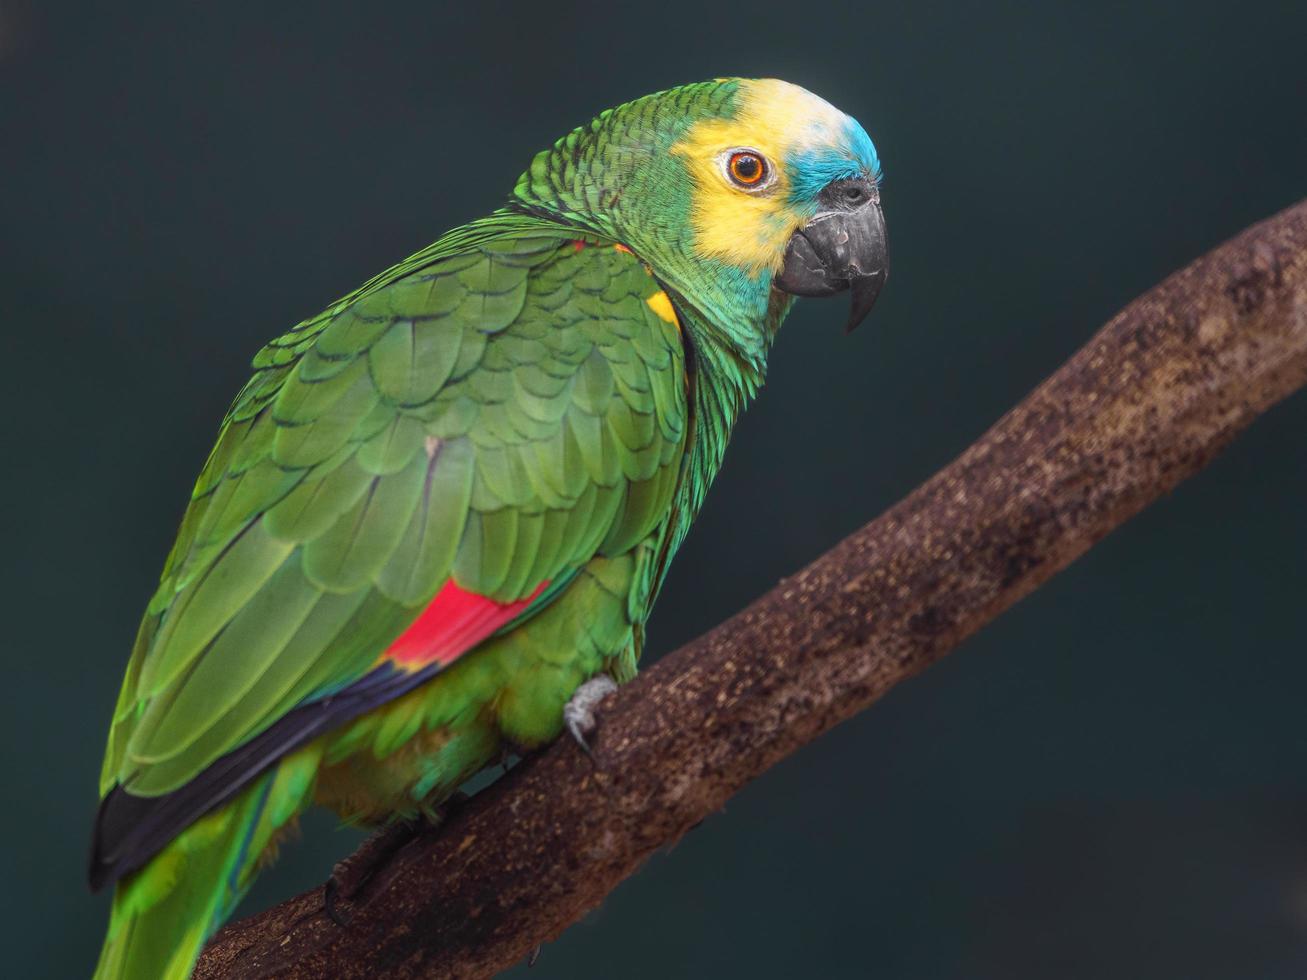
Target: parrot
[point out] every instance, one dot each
(437, 516)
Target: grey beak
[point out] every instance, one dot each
(840, 248)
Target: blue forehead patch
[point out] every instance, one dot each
(863, 148)
(815, 167)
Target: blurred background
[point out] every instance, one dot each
(1110, 781)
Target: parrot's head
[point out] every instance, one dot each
(739, 193)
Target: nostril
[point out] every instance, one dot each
(853, 194)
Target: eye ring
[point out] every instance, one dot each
(748, 169)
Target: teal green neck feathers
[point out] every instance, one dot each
(730, 314)
(584, 180)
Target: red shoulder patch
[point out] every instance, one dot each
(452, 624)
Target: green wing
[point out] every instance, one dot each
(499, 409)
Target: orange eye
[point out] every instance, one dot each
(747, 169)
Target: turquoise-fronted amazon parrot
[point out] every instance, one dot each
(444, 506)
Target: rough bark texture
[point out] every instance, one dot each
(1150, 400)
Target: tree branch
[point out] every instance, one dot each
(1149, 401)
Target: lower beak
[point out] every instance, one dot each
(839, 250)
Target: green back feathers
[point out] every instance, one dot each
(495, 410)
(497, 416)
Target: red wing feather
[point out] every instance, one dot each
(454, 622)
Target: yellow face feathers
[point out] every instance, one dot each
(743, 223)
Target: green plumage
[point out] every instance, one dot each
(363, 489)
(519, 407)
(464, 421)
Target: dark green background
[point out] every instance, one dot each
(1110, 782)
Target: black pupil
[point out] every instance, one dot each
(747, 167)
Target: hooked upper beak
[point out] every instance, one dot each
(842, 247)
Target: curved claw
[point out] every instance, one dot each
(579, 712)
(330, 893)
(353, 874)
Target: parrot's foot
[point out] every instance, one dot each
(579, 712)
(352, 875)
